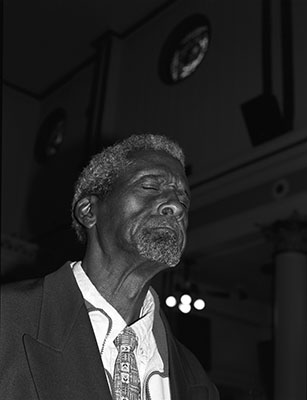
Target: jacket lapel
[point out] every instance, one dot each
(168, 350)
(187, 379)
(178, 381)
(64, 359)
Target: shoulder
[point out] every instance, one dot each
(29, 288)
(20, 292)
(181, 358)
(21, 300)
(195, 371)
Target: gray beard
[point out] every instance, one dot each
(159, 245)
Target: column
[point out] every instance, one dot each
(290, 314)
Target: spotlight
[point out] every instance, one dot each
(199, 304)
(184, 308)
(186, 299)
(171, 301)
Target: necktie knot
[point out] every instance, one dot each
(126, 340)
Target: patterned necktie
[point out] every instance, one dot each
(127, 385)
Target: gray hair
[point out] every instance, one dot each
(99, 175)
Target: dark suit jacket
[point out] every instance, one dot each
(48, 349)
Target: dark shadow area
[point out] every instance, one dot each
(194, 332)
(49, 217)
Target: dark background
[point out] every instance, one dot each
(89, 73)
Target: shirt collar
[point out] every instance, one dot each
(142, 327)
(114, 323)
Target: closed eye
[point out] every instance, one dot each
(185, 203)
(149, 187)
(184, 199)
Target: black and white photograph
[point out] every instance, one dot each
(153, 200)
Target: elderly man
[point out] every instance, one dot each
(93, 330)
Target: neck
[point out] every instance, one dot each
(122, 281)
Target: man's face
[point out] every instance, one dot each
(146, 212)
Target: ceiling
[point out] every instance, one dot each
(52, 37)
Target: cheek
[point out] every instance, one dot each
(132, 205)
(134, 213)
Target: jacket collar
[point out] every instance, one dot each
(61, 305)
(65, 344)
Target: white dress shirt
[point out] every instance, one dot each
(107, 323)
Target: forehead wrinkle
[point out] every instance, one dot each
(139, 166)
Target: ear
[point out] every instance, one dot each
(84, 211)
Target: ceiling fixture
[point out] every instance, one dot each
(186, 300)
(184, 49)
(50, 136)
(183, 293)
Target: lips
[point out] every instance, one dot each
(166, 223)
(163, 223)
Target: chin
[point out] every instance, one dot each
(162, 246)
(167, 258)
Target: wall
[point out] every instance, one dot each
(206, 109)
(51, 185)
(204, 114)
(202, 107)
(19, 126)
(36, 197)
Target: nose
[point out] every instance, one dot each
(172, 207)
(168, 209)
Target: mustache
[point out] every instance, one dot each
(168, 222)
(163, 222)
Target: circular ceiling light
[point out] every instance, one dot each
(184, 49)
(186, 299)
(171, 301)
(50, 136)
(184, 308)
(199, 304)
